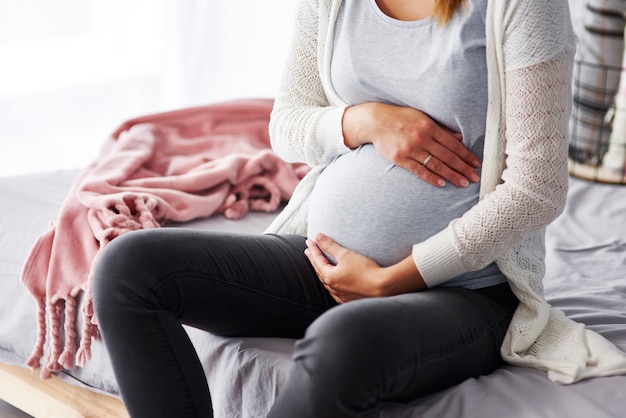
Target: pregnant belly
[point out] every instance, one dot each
(373, 207)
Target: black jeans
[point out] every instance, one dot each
(349, 357)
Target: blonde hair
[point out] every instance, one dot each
(444, 10)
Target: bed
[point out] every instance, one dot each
(27, 205)
(586, 278)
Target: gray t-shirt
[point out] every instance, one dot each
(362, 200)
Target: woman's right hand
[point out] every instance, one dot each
(407, 137)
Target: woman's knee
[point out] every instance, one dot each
(337, 362)
(340, 344)
(119, 267)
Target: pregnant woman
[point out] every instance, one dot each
(400, 262)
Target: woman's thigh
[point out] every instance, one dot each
(148, 283)
(362, 353)
(227, 284)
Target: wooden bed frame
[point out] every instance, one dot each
(54, 398)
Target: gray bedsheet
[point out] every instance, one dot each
(586, 278)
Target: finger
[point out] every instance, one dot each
(320, 274)
(454, 142)
(330, 246)
(315, 256)
(450, 166)
(457, 135)
(437, 167)
(422, 172)
(436, 173)
(453, 152)
(322, 266)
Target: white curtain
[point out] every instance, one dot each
(72, 70)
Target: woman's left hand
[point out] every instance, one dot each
(356, 276)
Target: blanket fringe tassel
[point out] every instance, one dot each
(58, 359)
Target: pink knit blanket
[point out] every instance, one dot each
(173, 166)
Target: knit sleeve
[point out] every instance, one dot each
(304, 127)
(534, 183)
(535, 31)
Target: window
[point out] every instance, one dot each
(73, 70)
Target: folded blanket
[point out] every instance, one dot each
(168, 167)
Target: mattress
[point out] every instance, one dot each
(238, 370)
(586, 278)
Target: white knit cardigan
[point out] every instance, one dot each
(530, 48)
